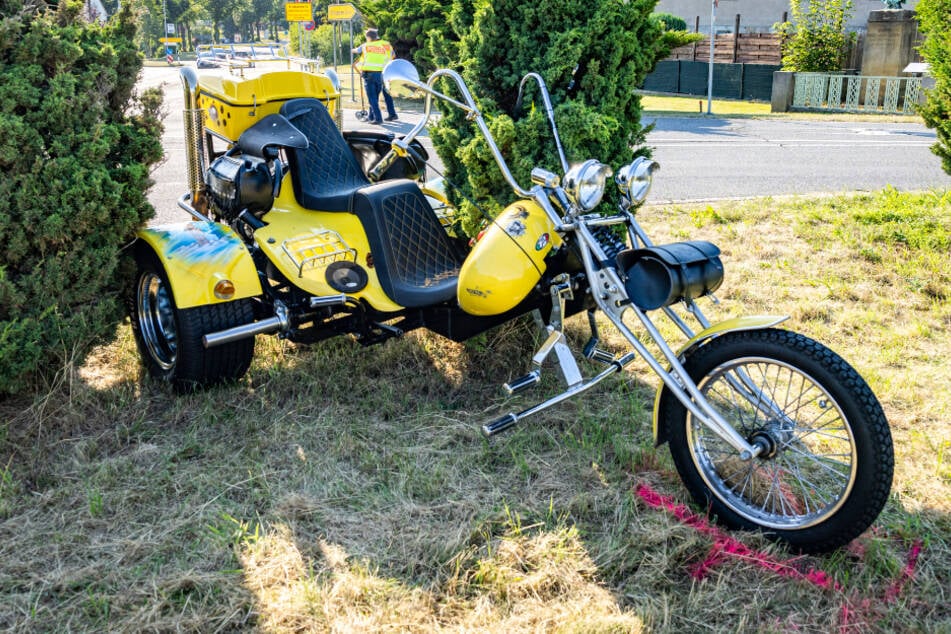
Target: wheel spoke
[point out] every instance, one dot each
(795, 483)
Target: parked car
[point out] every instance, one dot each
(207, 60)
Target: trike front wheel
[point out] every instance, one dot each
(827, 468)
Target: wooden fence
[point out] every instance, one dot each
(747, 48)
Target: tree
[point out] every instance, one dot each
(671, 21)
(816, 39)
(406, 23)
(592, 54)
(935, 22)
(221, 13)
(75, 151)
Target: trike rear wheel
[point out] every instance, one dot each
(169, 339)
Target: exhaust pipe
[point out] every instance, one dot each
(272, 324)
(194, 140)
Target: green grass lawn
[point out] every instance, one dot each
(339, 488)
(698, 105)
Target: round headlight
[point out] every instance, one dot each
(634, 180)
(584, 183)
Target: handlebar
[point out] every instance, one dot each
(403, 74)
(382, 165)
(549, 111)
(398, 148)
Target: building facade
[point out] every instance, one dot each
(756, 16)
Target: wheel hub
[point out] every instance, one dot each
(766, 441)
(157, 321)
(771, 437)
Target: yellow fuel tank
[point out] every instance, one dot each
(507, 261)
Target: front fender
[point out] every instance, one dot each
(198, 255)
(754, 322)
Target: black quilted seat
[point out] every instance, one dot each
(415, 260)
(325, 175)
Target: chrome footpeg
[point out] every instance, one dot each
(523, 382)
(499, 425)
(594, 353)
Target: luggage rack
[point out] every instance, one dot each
(317, 249)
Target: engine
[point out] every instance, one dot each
(238, 183)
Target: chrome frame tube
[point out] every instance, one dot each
(185, 203)
(511, 418)
(676, 379)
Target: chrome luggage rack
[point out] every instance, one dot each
(317, 249)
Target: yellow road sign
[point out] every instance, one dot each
(341, 12)
(298, 12)
(170, 40)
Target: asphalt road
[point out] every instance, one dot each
(714, 158)
(702, 159)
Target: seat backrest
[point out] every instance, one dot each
(325, 174)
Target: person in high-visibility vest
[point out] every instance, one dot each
(374, 55)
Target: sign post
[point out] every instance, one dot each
(343, 13)
(713, 34)
(170, 44)
(299, 12)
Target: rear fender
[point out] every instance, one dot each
(754, 322)
(197, 256)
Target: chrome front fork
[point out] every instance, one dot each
(609, 294)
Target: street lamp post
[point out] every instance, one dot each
(713, 35)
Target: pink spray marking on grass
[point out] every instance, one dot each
(725, 546)
(907, 574)
(856, 613)
(855, 617)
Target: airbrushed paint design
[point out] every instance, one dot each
(516, 228)
(200, 243)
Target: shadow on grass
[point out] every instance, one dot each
(347, 489)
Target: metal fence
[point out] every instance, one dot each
(730, 81)
(856, 93)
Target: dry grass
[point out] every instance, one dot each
(342, 489)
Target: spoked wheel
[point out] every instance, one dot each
(170, 339)
(826, 467)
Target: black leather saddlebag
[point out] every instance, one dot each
(662, 275)
(368, 148)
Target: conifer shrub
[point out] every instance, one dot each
(76, 144)
(935, 22)
(592, 54)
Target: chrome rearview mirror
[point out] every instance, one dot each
(401, 73)
(332, 76)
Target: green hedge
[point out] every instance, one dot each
(75, 151)
(592, 55)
